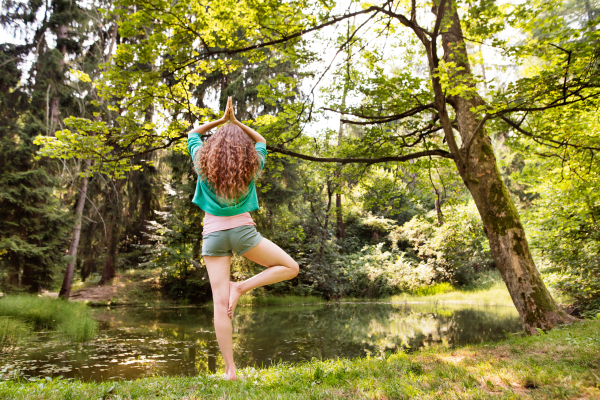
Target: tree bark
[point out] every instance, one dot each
(326, 222)
(109, 270)
(478, 169)
(65, 290)
(55, 101)
(341, 231)
(438, 207)
(110, 263)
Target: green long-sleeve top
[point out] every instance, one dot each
(205, 197)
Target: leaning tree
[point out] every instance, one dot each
(429, 107)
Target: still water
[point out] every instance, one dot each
(137, 342)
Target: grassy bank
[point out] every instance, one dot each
(564, 363)
(492, 294)
(20, 313)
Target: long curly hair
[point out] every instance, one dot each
(228, 161)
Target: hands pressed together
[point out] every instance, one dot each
(229, 116)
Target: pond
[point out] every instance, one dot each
(138, 342)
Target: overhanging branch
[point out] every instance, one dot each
(406, 157)
(382, 119)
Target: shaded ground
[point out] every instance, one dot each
(137, 287)
(100, 292)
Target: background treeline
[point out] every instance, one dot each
(356, 230)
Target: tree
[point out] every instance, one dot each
(415, 99)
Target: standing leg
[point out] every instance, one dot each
(218, 273)
(280, 267)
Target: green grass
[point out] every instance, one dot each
(497, 294)
(248, 300)
(562, 364)
(71, 319)
(438, 288)
(13, 332)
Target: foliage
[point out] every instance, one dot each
(455, 251)
(175, 250)
(33, 223)
(377, 273)
(565, 236)
(71, 319)
(561, 363)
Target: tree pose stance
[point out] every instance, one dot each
(227, 165)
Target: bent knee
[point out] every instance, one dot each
(294, 268)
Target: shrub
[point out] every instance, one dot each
(456, 250)
(564, 227)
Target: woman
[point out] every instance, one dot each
(227, 165)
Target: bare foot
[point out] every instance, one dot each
(230, 375)
(234, 296)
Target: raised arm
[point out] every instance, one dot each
(257, 137)
(209, 125)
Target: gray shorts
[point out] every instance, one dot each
(239, 239)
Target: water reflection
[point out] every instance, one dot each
(136, 342)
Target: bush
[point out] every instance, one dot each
(71, 319)
(564, 226)
(457, 250)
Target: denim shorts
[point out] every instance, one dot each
(239, 239)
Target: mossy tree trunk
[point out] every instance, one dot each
(478, 169)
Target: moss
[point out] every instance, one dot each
(502, 213)
(519, 246)
(540, 303)
(486, 150)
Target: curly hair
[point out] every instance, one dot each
(228, 161)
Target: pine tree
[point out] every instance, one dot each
(33, 223)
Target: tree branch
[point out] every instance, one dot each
(412, 156)
(381, 119)
(531, 135)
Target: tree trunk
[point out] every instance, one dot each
(65, 290)
(326, 221)
(341, 229)
(438, 207)
(339, 212)
(110, 263)
(478, 168)
(109, 271)
(55, 101)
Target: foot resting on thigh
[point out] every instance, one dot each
(234, 296)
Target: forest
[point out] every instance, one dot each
(414, 148)
(392, 167)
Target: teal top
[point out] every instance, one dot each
(207, 200)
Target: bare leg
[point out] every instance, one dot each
(218, 273)
(280, 267)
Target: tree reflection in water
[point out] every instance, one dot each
(136, 342)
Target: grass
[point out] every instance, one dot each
(497, 294)
(564, 363)
(490, 290)
(71, 319)
(13, 332)
(248, 300)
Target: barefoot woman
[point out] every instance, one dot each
(227, 165)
